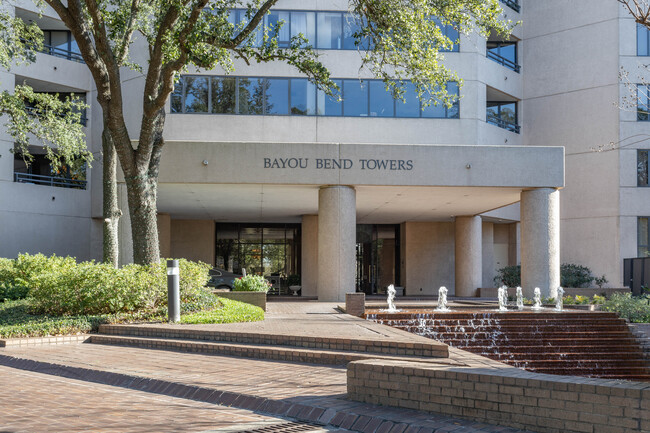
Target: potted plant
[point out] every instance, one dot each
(250, 289)
(293, 281)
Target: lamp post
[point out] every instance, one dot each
(173, 292)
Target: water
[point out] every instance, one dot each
(442, 300)
(538, 299)
(558, 299)
(520, 299)
(390, 299)
(503, 298)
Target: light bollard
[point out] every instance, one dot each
(173, 292)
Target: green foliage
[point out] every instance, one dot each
(575, 275)
(634, 308)
(509, 276)
(293, 280)
(18, 40)
(232, 311)
(251, 283)
(570, 276)
(601, 281)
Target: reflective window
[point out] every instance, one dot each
(304, 23)
(330, 105)
(642, 103)
(297, 96)
(355, 98)
(451, 33)
(643, 237)
(330, 30)
(273, 19)
(277, 96)
(196, 95)
(642, 40)
(224, 95)
(257, 36)
(251, 95)
(642, 168)
(303, 97)
(411, 105)
(351, 26)
(381, 101)
(503, 115)
(504, 53)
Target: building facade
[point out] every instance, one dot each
(261, 171)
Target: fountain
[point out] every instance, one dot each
(520, 299)
(558, 299)
(390, 299)
(503, 298)
(442, 299)
(538, 299)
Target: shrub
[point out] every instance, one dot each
(509, 276)
(11, 286)
(634, 308)
(575, 275)
(251, 283)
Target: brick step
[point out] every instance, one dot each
(595, 364)
(495, 316)
(564, 342)
(511, 335)
(591, 372)
(509, 356)
(364, 345)
(577, 348)
(247, 350)
(586, 327)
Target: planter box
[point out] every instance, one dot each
(254, 298)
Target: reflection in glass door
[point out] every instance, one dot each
(377, 257)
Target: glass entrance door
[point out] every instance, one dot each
(377, 257)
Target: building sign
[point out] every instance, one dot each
(339, 164)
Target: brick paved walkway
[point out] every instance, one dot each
(110, 380)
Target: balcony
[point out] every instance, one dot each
(503, 114)
(62, 53)
(503, 123)
(512, 4)
(503, 61)
(56, 181)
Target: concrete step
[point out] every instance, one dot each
(393, 347)
(248, 350)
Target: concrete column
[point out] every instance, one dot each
(514, 241)
(165, 235)
(487, 254)
(309, 255)
(337, 219)
(540, 241)
(469, 257)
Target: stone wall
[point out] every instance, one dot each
(511, 397)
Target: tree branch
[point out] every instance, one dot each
(122, 48)
(251, 26)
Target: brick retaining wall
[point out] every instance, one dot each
(512, 397)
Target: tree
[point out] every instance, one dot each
(406, 44)
(55, 123)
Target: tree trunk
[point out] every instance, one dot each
(142, 192)
(111, 210)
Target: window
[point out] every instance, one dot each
(504, 53)
(642, 168)
(512, 4)
(60, 43)
(63, 97)
(642, 40)
(273, 19)
(451, 33)
(304, 23)
(643, 237)
(503, 115)
(40, 172)
(330, 30)
(297, 96)
(642, 106)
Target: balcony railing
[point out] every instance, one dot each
(60, 52)
(512, 4)
(503, 61)
(501, 123)
(60, 182)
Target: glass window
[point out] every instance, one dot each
(453, 112)
(330, 105)
(304, 23)
(59, 40)
(224, 95)
(355, 98)
(643, 236)
(277, 96)
(351, 25)
(642, 103)
(196, 94)
(330, 29)
(256, 36)
(382, 102)
(436, 110)
(642, 168)
(504, 53)
(503, 115)
(177, 97)
(303, 97)
(273, 20)
(451, 33)
(642, 36)
(411, 105)
(251, 95)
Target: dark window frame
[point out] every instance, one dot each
(642, 167)
(499, 121)
(643, 243)
(502, 60)
(642, 103)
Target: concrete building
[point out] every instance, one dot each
(264, 172)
